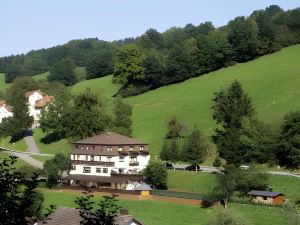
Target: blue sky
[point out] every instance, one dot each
(35, 24)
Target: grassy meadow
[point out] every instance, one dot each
(176, 214)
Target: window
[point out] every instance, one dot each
(86, 157)
(93, 148)
(120, 149)
(104, 170)
(81, 147)
(133, 159)
(131, 148)
(99, 158)
(86, 169)
(87, 148)
(121, 159)
(73, 167)
(108, 159)
(265, 198)
(78, 157)
(141, 148)
(92, 158)
(98, 170)
(109, 149)
(76, 147)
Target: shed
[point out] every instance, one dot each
(267, 197)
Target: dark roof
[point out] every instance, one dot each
(63, 216)
(69, 216)
(264, 193)
(105, 179)
(110, 138)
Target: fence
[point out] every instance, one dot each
(177, 194)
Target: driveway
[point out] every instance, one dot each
(31, 145)
(27, 158)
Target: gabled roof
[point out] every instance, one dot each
(44, 101)
(142, 187)
(29, 93)
(110, 138)
(264, 193)
(69, 216)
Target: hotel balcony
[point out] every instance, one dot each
(133, 163)
(95, 163)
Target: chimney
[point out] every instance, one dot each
(270, 189)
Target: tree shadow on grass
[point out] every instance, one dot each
(50, 138)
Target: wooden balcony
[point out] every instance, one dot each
(95, 163)
(133, 163)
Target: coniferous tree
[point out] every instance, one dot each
(231, 107)
(170, 150)
(122, 120)
(21, 121)
(195, 149)
(288, 151)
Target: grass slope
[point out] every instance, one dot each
(271, 81)
(153, 212)
(3, 85)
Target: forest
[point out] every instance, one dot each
(156, 59)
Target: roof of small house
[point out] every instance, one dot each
(142, 187)
(110, 138)
(65, 215)
(264, 193)
(44, 101)
(2, 102)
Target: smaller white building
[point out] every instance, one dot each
(5, 110)
(37, 100)
(108, 160)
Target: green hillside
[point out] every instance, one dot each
(272, 81)
(3, 85)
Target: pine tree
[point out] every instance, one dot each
(123, 121)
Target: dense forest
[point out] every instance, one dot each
(156, 59)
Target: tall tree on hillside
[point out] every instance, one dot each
(288, 152)
(12, 71)
(53, 118)
(63, 71)
(243, 36)
(99, 64)
(230, 108)
(170, 150)
(196, 147)
(87, 117)
(156, 174)
(175, 128)
(122, 119)
(128, 69)
(21, 121)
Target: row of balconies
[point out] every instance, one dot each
(101, 163)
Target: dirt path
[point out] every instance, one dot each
(181, 201)
(27, 158)
(31, 145)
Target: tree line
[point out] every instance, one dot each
(156, 59)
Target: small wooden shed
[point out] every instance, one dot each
(267, 197)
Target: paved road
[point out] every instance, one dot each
(31, 145)
(27, 158)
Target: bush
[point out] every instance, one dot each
(207, 203)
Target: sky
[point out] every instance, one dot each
(36, 24)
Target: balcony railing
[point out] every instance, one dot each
(133, 163)
(96, 163)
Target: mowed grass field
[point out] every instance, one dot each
(153, 212)
(205, 182)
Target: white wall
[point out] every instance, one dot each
(4, 113)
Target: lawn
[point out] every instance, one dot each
(153, 212)
(41, 158)
(55, 147)
(180, 180)
(19, 145)
(3, 85)
(191, 181)
(19, 163)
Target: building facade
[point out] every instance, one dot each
(108, 160)
(37, 100)
(5, 111)
(267, 197)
